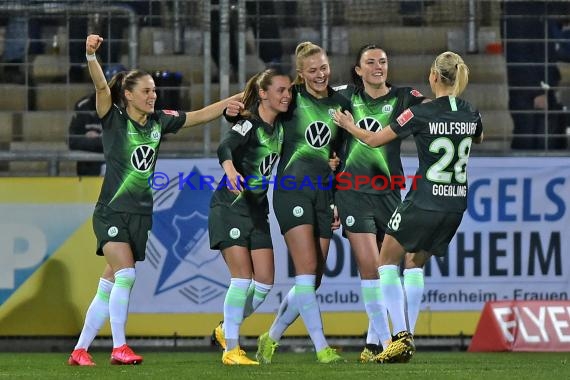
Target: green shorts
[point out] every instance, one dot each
(417, 229)
(297, 207)
(227, 228)
(365, 213)
(111, 225)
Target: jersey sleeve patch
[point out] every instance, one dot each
(404, 117)
(243, 128)
(341, 87)
(416, 93)
(171, 113)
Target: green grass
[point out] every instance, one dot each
(293, 366)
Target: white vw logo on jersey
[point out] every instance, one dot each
(369, 124)
(318, 134)
(266, 164)
(142, 158)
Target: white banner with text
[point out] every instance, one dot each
(512, 244)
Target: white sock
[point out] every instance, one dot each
(393, 296)
(286, 315)
(414, 287)
(119, 304)
(234, 304)
(256, 294)
(97, 314)
(377, 314)
(306, 301)
(371, 336)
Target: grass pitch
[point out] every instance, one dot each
(293, 366)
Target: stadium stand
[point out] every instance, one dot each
(35, 115)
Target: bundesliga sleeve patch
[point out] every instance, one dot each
(242, 128)
(416, 93)
(171, 113)
(404, 117)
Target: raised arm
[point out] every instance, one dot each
(103, 100)
(373, 139)
(232, 105)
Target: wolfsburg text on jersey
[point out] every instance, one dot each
(452, 128)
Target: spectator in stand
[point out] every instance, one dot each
(85, 134)
(19, 29)
(532, 72)
(85, 130)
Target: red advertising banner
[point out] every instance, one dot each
(523, 326)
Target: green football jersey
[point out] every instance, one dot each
(443, 130)
(379, 164)
(254, 147)
(130, 151)
(310, 135)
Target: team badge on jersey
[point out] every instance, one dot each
(416, 93)
(387, 108)
(235, 233)
(112, 231)
(171, 112)
(404, 117)
(155, 135)
(243, 127)
(332, 112)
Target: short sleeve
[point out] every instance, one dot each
(171, 120)
(403, 124)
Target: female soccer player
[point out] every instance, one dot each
(122, 219)
(365, 208)
(238, 221)
(427, 219)
(305, 209)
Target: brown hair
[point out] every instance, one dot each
(261, 80)
(124, 80)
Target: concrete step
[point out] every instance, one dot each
(45, 126)
(414, 40)
(6, 126)
(191, 66)
(39, 168)
(196, 94)
(49, 68)
(60, 96)
(414, 68)
(484, 96)
(565, 82)
(483, 68)
(13, 97)
(497, 125)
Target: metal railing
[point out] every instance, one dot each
(12, 9)
(334, 24)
